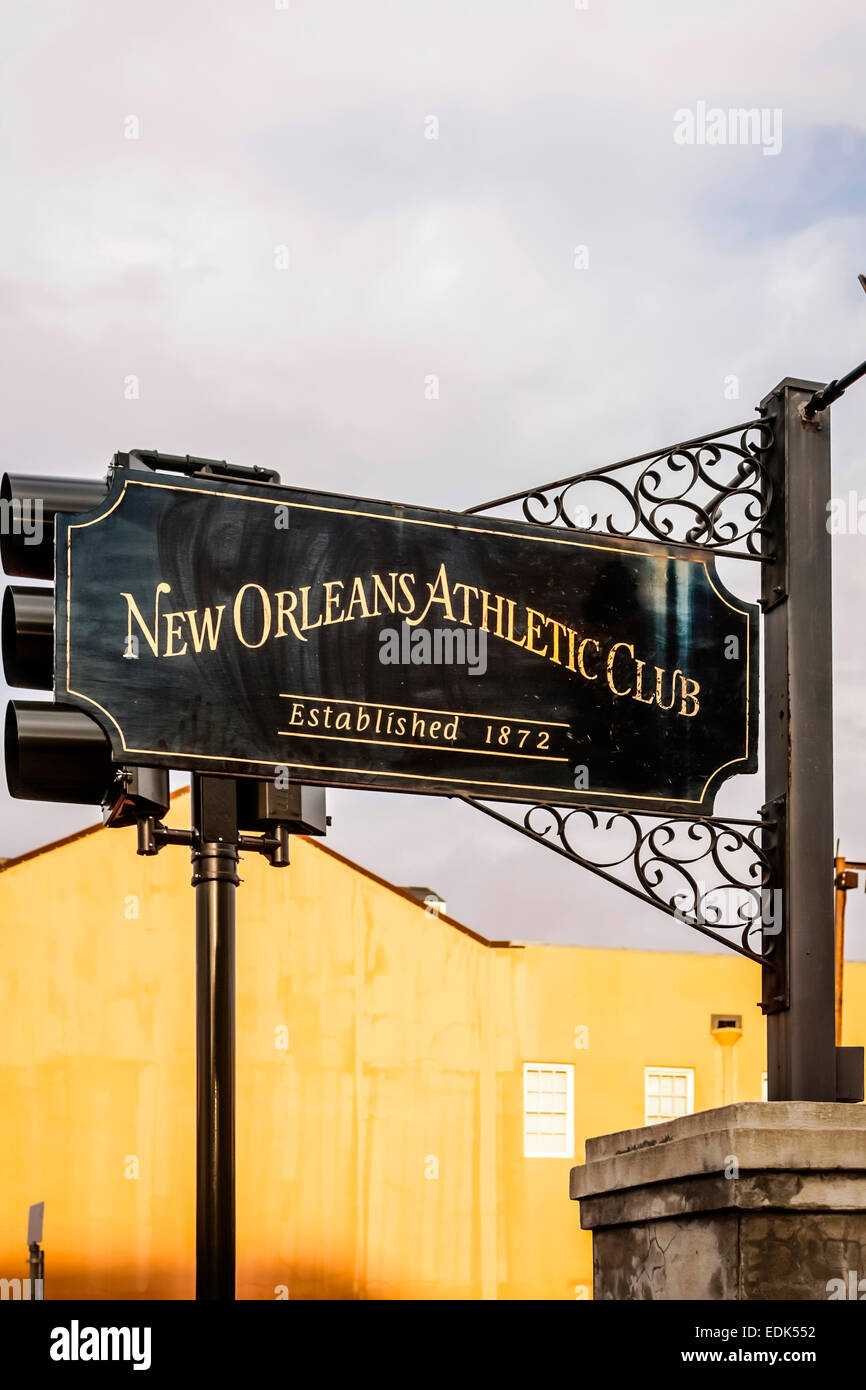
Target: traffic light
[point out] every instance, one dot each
(53, 751)
(27, 627)
(29, 505)
(57, 752)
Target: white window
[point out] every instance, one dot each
(548, 1111)
(668, 1092)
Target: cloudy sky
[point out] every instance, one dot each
(157, 157)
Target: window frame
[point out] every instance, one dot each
(566, 1068)
(688, 1073)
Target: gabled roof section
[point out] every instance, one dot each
(88, 830)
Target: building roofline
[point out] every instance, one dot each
(409, 898)
(46, 849)
(87, 830)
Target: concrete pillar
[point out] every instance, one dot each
(750, 1201)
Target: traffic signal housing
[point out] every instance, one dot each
(53, 752)
(27, 635)
(56, 752)
(29, 505)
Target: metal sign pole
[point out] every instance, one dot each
(803, 1062)
(215, 877)
(35, 1253)
(36, 1270)
(220, 806)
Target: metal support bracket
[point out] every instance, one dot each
(764, 882)
(712, 875)
(717, 493)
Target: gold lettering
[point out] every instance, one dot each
(611, 658)
(409, 596)
(485, 612)
(689, 695)
(591, 642)
(172, 633)
(659, 679)
(132, 610)
(532, 632)
(306, 625)
(285, 611)
(358, 596)
(266, 614)
(208, 629)
(467, 590)
(638, 694)
(332, 601)
(389, 600)
(444, 598)
(509, 636)
(556, 627)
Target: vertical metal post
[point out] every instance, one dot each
(215, 878)
(36, 1271)
(35, 1253)
(798, 731)
(840, 880)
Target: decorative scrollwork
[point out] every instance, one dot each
(711, 875)
(713, 492)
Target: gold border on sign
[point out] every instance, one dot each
(406, 521)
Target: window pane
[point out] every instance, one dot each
(547, 1111)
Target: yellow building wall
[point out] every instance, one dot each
(638, 1009)
(380, 1078)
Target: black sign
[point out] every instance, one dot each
(254, 629)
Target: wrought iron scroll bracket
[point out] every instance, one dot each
(712, 492)
(717, 876)
(712, 875)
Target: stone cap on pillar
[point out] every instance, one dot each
(756, 1155)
